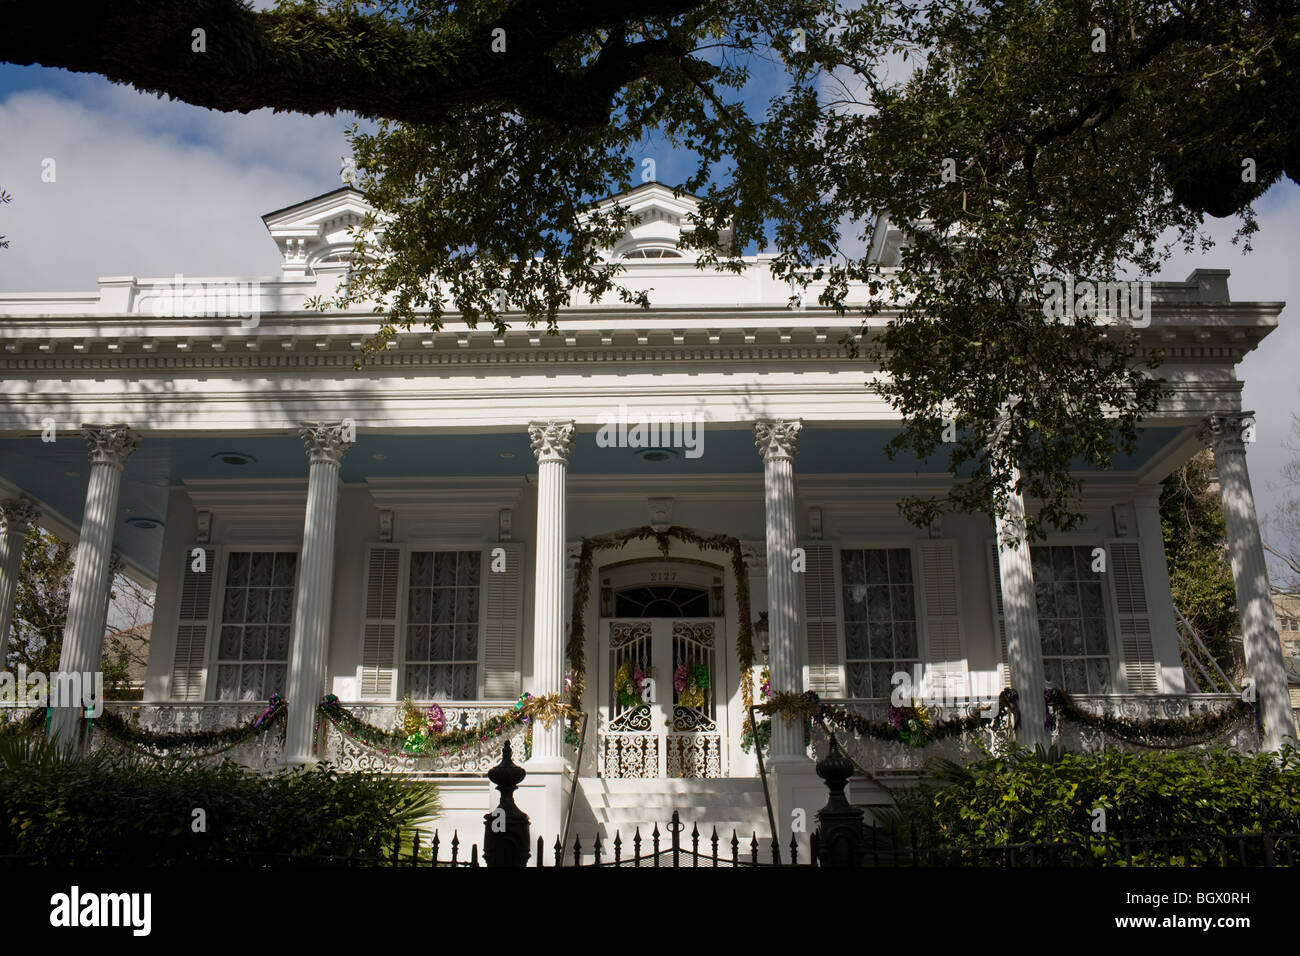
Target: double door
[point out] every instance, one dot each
(663, 700)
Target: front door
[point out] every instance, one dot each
(663, 706)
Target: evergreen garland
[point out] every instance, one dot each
(400, 744)
(908, 725)
(1163, 733)
(122, 730)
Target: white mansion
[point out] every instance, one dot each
(670, 485)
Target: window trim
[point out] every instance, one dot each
(222, 554)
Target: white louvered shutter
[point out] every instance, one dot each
(503, 622)
(942, 609)
(999, 617)
(821, 615)
(193, 624)
(1133, 622)
(380, 622)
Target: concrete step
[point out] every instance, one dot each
(624, 806)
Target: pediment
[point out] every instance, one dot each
(314, 235)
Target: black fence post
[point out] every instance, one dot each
(505, 829)
(841, 839)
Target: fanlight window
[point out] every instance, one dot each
(662, 601)
(652, 254)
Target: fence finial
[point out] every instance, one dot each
(505, 830)
(840, 838)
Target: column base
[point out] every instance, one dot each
(797, 794)
(541, 795)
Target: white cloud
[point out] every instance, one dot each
(149, 187)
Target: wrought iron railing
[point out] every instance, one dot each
(261, 751)
(894, 757)
(873, 755)
(1241, 735)
(475, 760)
(265, 751)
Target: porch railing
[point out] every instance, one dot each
(263, 751)
(893, 757)
(889, 756)
(1240, 736)
(477, 760)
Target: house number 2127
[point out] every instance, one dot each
(656, 576)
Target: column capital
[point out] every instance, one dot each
(1227, 432)
(326, 442)
(17, 515)
(777, 439)
(551, 440)
(110, 444)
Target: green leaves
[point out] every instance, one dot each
(108, 807)
(1051, 798)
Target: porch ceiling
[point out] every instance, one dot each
(55, 474)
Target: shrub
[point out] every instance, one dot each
(1049, 797)
(110, 807)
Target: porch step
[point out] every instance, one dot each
(624, 806)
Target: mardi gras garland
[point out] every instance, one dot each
(911, 726)
(1168, 732)
(120, 729)
(28, 724)
(576, 647)
(445, 742)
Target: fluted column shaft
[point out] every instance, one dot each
(777, 442)
(552, 444)
(1020, 618)
(309, 651)
(1260, 642)
(83, 633)
(18, 517)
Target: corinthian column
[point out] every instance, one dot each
(552, 443)
(1020, 617)
(17, 517)
(777, 442)
(309, 650)
(1250, 576)
(83, 634)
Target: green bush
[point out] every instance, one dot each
(1049, 797)
(109, 808)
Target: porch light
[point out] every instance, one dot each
(760, 631)
(144, 524)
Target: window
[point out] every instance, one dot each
(652, 254)
(256, 624)
(662, 601)
(880, 624)
(442, 625)
(1072, 619)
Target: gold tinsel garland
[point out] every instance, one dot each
(576, 647)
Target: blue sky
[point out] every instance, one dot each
(148, 187)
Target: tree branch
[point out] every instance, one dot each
(308, 61)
